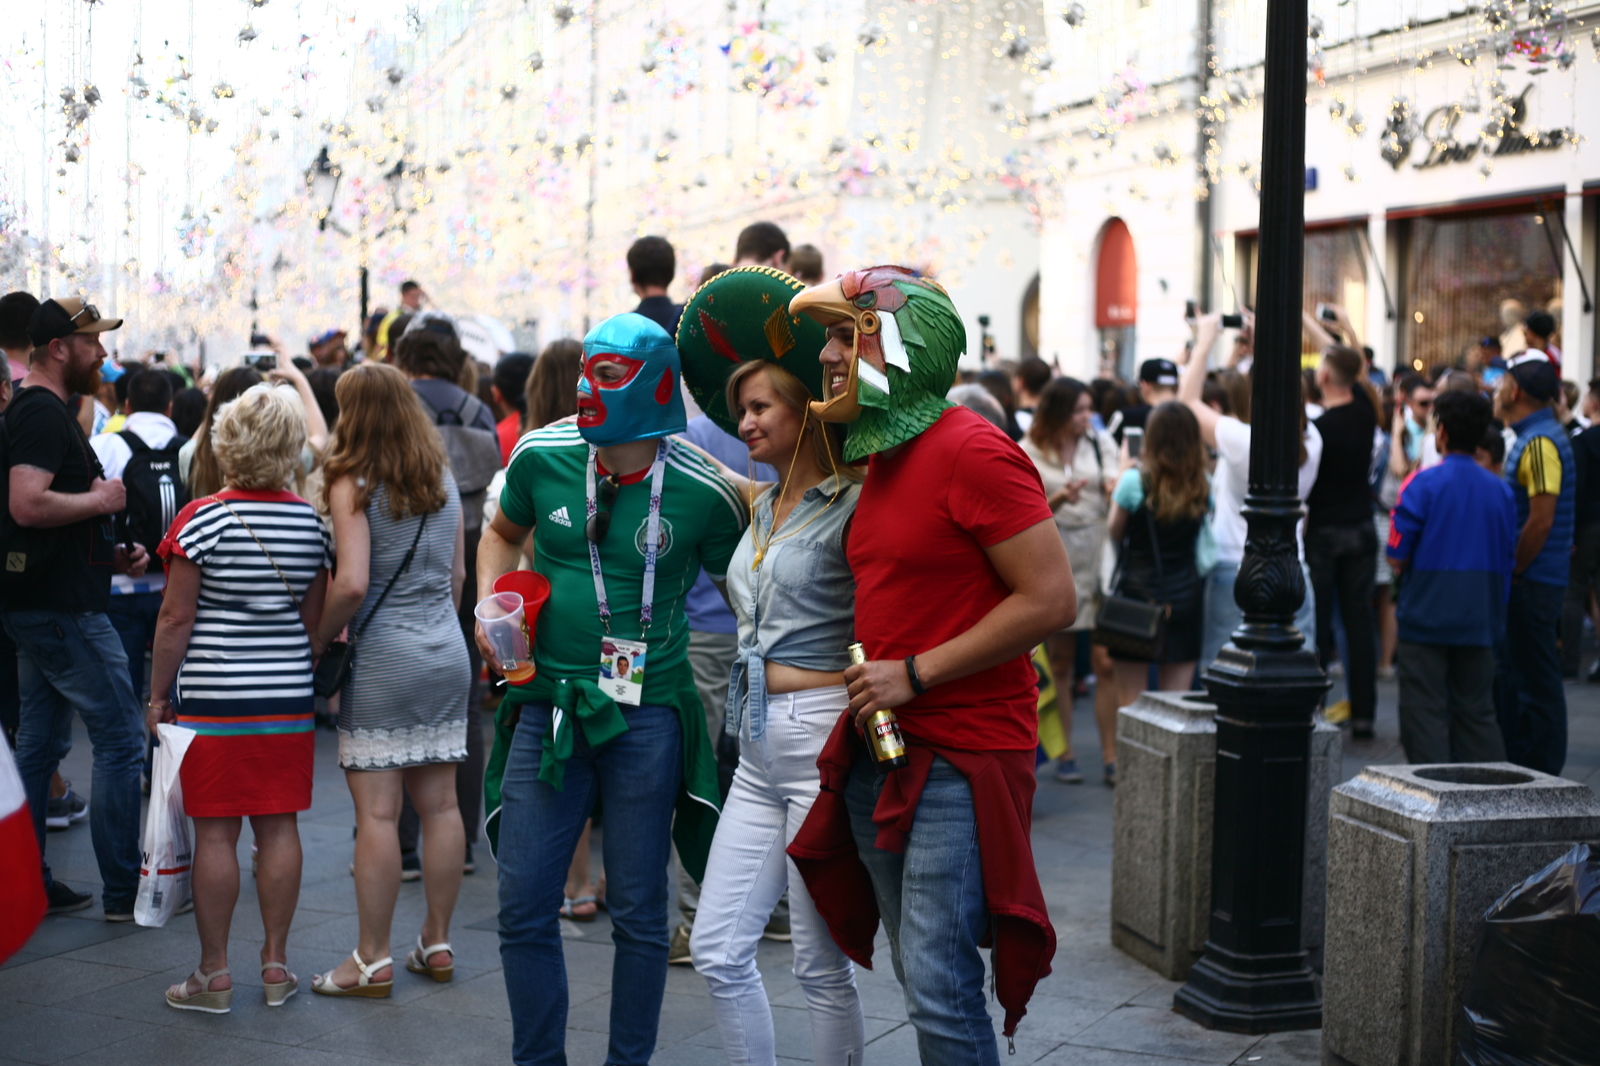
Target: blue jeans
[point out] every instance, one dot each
(931, 901)
(1222, 614)
(75, 662)
(635, 777)
(133, 615)
(1529, 698)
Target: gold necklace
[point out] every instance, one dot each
(783, 489)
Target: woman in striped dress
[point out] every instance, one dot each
(247, 571)
(403, 714)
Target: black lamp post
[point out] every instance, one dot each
(322, 183)
(1252, 976)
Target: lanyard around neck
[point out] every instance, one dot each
(658, 471)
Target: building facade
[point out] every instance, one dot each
(1452, 175)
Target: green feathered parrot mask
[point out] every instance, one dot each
(908, 340)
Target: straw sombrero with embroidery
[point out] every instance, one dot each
(740, 315)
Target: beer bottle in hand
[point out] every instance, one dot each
(883, 728)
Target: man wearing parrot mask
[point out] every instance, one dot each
(623, 517)
(959, 575)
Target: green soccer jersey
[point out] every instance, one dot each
(702, 519)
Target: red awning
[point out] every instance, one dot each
(1488, 205)
(1116, 279)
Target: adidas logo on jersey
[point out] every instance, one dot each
(560, 516)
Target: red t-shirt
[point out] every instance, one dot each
(509, 430)
(917, 543)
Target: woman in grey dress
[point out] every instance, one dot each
(403, 713)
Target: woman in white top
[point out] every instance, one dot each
(1230, 436)
(1078, 465)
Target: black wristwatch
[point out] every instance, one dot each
(911, 673)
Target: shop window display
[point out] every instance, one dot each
(1460, 269)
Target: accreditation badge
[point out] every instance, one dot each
(622, 669)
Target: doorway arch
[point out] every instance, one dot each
(1116, 298)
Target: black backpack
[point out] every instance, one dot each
(155, 492)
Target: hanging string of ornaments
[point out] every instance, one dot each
(491, 135)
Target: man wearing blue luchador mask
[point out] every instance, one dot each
(623, 517)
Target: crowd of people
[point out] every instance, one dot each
(727, 495)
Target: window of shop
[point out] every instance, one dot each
(1335, 270)
(1473, 273)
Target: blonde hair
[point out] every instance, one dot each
(384, 437)
(827, 442)
(258, 438)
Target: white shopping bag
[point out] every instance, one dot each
(167, 851)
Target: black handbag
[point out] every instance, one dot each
(333, 669)
(1134, 628)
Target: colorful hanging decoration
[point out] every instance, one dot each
(767, 64)
(671, 60)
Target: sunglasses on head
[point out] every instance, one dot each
(599, 523)
(88, 309)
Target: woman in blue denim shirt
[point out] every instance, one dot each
(794, 597)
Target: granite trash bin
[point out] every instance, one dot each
(1161, 830)
(1416, 856)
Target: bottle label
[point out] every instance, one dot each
(886, 736)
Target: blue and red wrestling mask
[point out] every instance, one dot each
(629, 388)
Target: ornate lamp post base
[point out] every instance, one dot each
(1253, 976)
(1248, 1000)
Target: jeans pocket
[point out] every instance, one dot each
(46, 637)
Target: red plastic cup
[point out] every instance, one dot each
(534, 590)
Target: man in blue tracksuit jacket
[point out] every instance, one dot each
(1452, 540)
(1530, 701)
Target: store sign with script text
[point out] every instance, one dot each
(1439, 144)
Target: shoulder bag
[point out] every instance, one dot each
(333, 669)
(1135, 628)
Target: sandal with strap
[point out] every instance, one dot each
(323, 985)
(220, 1002)
(417, 961)
(570, 913)
(278, 991)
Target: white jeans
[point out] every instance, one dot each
(773, 790)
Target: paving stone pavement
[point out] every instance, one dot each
(83, 991)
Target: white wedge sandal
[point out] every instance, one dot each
(323, 985)
(417, 961)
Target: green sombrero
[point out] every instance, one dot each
(740, 315)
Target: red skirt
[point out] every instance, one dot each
(257, 773)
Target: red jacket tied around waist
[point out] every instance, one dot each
(1002, 783)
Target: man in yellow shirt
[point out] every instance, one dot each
(1530, 701)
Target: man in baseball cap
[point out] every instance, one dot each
(66, 344)
(60, 552)
(1158, 383)
(1529, 699)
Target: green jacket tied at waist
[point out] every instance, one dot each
(580, 701)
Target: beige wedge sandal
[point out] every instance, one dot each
(323, 985)
(278, 992)
(417, 961)
(205, 1000)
